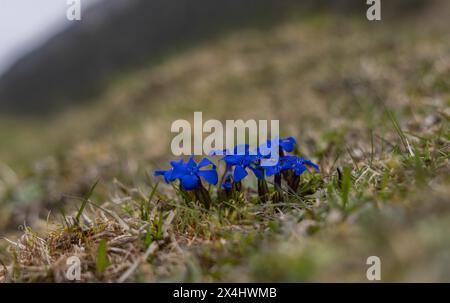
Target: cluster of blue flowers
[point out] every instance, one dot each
(238, 163)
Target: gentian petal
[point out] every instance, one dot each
(190, 182)
(308, 162)
(287, 144)
(258, 171)
(179, 171)
(176, 163)
(226, 185)
(299, 169)
(205, 162)
(159, 173)
(239, 173)
(232, 159)
(191, 163)
(271, 170)
(166, 173)
(210, 176)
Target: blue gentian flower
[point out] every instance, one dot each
(295, 163)
(241, 159)
(276, 169)
(286, 144)
(273, 149)
(227, 185)
(190, 173)
(167, 174)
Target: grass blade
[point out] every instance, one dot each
(102, 261)
(345, 185)
(86, 200)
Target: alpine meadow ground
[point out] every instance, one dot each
(370, 107)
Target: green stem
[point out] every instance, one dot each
(293, 181)
(263, 190)
(202, 195)
(278, 196)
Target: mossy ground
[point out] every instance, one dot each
(369, 100)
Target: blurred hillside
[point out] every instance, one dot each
(119, 36)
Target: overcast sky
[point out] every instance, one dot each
(26, 24)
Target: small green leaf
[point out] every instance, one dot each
(102, 261)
